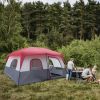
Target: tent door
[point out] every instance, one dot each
(55, 68)
(55, 73)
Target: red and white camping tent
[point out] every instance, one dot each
(34, 64)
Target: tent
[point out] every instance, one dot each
(34, 64)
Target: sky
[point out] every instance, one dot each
(52, 1)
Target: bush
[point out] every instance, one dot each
(84, 52)
(13, 43)
(2, 60)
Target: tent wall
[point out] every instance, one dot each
(12, 73)
(34, 76)
(58, 71)
(25, 75)
(57, 67)
(9, 61)
(26, 62)
(61, 62)
(57, 62)
(21, 78)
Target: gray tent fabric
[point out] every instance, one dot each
(21, 78)
(32, 76)
(59, 71)
(12, 73)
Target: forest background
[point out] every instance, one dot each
(71, 30)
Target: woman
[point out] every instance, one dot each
(70, 67)
(87, 74)
(94, 71)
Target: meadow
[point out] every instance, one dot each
(58, 89)
(72, 30)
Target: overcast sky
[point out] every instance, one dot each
(52, 1)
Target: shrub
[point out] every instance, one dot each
(2, 60)
(84, 52)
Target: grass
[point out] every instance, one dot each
(59, 89)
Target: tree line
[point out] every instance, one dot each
(51, 25)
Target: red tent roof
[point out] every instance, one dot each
(34, 51)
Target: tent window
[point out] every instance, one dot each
(36, 64)
(14, 64)
(54, 62)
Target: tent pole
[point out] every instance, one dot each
(18, 77)
(47, 65)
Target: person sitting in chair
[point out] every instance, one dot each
(87, 74)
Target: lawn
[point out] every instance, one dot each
(59, 89)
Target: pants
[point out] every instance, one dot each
(69, 72)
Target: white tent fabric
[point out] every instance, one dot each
(9, 61)
(55, 62)
(26, 62)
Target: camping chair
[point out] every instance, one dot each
(79, 78)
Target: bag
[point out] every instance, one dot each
(67, 75)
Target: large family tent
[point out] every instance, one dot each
(33, 65)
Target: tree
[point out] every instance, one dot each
(26, 10)
(78, 19)
(11, 27)
(98, 19)
(90, 19)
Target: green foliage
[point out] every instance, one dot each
(50, 25)
(10, 28)
(53, 26)
(13, 43)
(2, 60)
(84, 52)
(60, 24)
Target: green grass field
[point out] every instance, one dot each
(59, 89)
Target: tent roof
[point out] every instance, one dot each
(34, 51)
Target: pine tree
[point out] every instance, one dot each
(11, 27)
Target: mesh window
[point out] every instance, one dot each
(14, 64)
(55, 62)
(36, 64)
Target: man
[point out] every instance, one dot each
(87, 74)
(70, 67)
